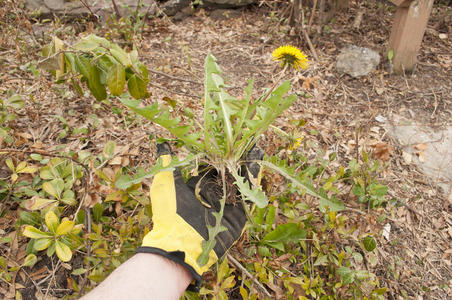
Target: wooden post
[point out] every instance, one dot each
(407, 32)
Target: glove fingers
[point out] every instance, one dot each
(163, 190)
(252, 170)
(209, 188)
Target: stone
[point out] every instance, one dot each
(75, 9)
(225, 14)
(357, 61)
(184, 13)
(430, 150)
(227, 3)
(172, 7)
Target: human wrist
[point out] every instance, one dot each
(182, 277)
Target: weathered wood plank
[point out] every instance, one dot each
(407, 32)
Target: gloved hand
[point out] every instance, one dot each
(180, 220)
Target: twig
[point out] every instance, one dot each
(306, 36)
(435, 105)
(321, 17)
(311, 18)
(174, 77)
(115, 7)
(238, 265)
(89, 8)
(55, 55)
(189, 72)
(52, 278)
(354, 210)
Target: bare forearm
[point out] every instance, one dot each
(144, 276)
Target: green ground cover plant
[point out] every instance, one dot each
(231, 126)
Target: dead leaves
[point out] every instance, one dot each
(420, 151)
(383, 151)
(308, 82)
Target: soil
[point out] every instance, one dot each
(416, 261)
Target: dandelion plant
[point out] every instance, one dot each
(230, 127)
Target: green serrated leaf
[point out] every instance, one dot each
(255, 195)
(208, 245)
(126, 181)
(330, 204)
(162, 117)
(284, 233)
(333, 204)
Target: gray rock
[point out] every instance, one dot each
(74, 9)
(227, 3)
(172, 7)
(184, 13)
(427, 148)
(357, 61)
(225, 14)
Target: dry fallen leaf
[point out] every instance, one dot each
(383, 151)
(115, 161)
(308, 82)
(421, 147)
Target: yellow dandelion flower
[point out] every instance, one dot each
(295, 143)
(291, 56)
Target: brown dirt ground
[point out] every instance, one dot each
(417, 260)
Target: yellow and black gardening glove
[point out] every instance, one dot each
(180, 220)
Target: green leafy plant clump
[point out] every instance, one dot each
(100, 64)
(230, 128)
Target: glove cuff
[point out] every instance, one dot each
(179, 258)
